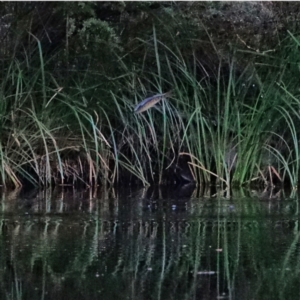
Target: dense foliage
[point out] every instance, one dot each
(72, 72)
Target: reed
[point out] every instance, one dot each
(224, 128)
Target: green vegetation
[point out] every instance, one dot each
(68, 91)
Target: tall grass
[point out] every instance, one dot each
(228, 127)
(46, 137)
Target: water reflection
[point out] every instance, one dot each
(151, 243)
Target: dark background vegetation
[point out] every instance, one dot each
(85, 36)
(66, 68)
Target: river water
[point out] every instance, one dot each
(155, 243)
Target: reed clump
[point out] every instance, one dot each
(233, 126)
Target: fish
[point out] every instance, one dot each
(149, 102)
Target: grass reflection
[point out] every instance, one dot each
(141, 247)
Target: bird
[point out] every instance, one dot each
(149, 102)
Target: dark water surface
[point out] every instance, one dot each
(182, 243)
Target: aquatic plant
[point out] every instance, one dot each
(233, 124)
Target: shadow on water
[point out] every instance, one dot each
(156, 243)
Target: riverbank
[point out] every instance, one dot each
(67, 119)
